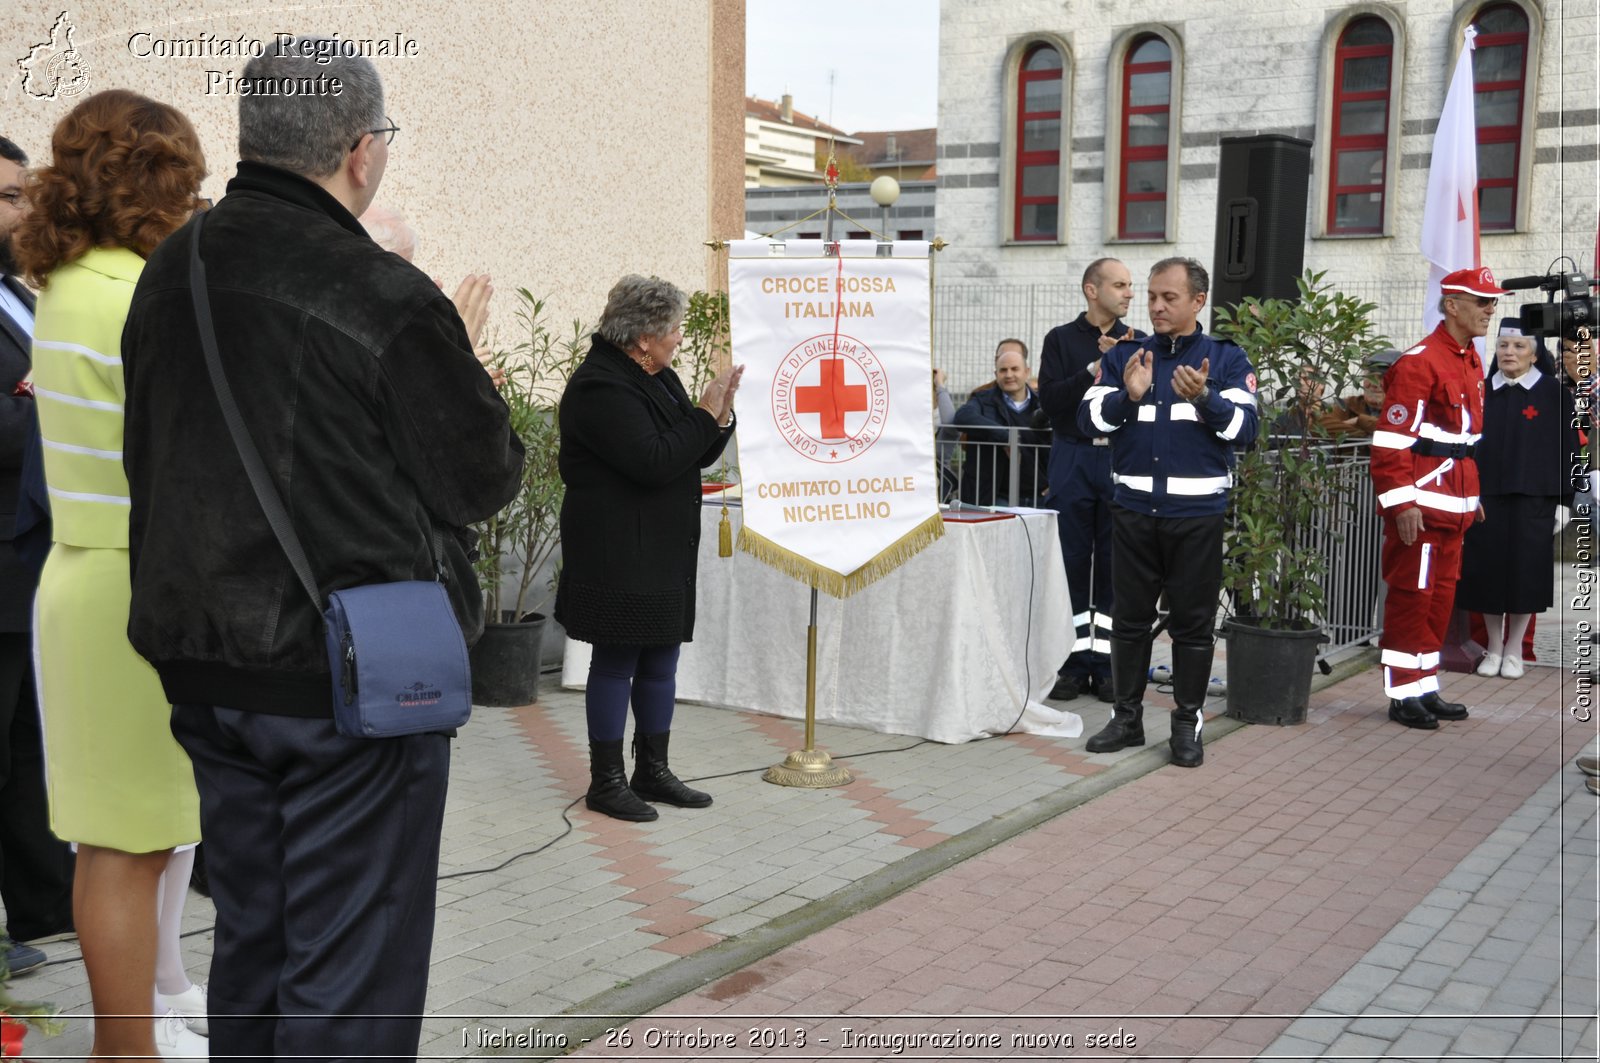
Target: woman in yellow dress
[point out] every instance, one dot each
(125, 172)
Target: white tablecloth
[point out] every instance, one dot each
(941, 648)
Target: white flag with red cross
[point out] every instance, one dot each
(836, 454)
(1450, 213)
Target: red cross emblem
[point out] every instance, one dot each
(830, 398)
(1530, 411)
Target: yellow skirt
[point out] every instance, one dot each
(116, 776)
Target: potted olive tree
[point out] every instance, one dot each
(1288, 492)
(518, 545)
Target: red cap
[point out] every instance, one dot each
(1473, 282)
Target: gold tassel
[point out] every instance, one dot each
(724, 533)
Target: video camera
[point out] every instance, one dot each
(1568, 305)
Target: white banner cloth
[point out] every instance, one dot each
(836, 458)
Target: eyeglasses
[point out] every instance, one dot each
(1481, 301)
(390, 129)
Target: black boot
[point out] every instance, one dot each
(608, 785)
(654, 781)
(1412, 713)
(1442, 709)
(1191, 675)
(1130, 671)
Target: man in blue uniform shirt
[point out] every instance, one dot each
(1080, 470)
(1175, 406)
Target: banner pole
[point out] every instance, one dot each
(811, 766)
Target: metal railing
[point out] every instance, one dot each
(1014, 472)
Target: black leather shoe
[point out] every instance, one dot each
(1442, 709)
(1185, 745)
(1101, 687)
(1067, 687)
(1413, 713)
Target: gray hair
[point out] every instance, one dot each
(303, 102)
(1199, 279)
(640, 306)
(390, 230)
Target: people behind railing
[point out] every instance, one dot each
(988, 478)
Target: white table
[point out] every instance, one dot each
(941, 648)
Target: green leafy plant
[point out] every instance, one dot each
(518, 542)
(1288, 487)
(19, 1016)
(706, 349)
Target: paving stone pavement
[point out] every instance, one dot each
(1013, 881)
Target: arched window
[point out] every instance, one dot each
(1358, 166)
(1037, 194)
(1499, 75)
(1146, 139)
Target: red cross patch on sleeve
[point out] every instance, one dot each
(1395, 414)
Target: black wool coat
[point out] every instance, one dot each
(632, 447)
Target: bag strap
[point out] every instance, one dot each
(266, 493)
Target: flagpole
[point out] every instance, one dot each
(813, 767)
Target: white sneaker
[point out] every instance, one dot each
(1490, 666)
(174, 1039)
(1512, 668)
(191, 1004)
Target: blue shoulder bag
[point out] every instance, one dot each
(395, 650)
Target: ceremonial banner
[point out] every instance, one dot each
(1450, 211)
(836, 449)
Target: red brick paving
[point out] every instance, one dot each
(1186, 900)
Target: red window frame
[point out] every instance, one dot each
(1502, 134)
(1025, 159)
(1147, 152)
(1341, 142)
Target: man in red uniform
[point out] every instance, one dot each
(1427, 485)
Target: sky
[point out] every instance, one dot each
(883, 55)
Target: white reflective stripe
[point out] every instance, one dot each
(1096, 397)
(1102, 622)
(1447, 503)
(1396, 659)
(1135, 483)
(1404, 690)
(1239, 395)
(1434, 432)
(1082, 618)
(1198, 485)
(109, 455)
(1232, 431)
(76, 348)
(78, 496)
(1199, 723)
(1428, 661)
(1091, 645)
(1147, 413)
(1393, 440)
(1399, 496)
(1466, 416)
(1184, 411)
(1429, 684)
(1422, 568)
(73, 400)
(1437, 475)
(1080, 645)
(1417, 420)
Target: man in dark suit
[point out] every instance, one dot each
(35, 868)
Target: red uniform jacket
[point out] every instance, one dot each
(1432, 415)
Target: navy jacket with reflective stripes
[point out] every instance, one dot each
(1171, 457)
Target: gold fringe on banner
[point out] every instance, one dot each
(827, 580)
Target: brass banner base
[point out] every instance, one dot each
(807, 767)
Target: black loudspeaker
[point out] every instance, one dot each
(1262, 186)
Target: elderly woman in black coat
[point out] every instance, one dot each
(632, 446)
